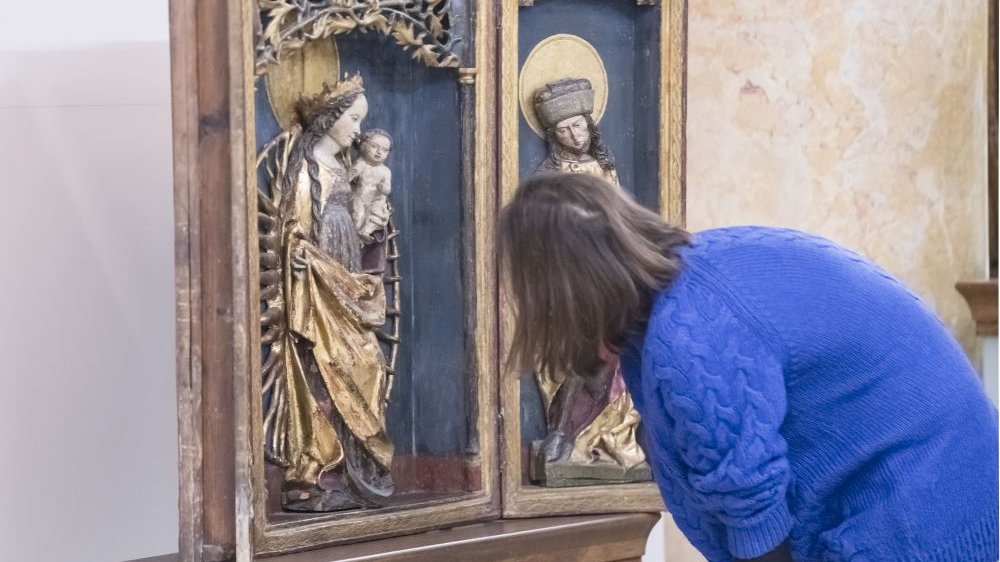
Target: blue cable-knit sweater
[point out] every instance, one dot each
(790, 389)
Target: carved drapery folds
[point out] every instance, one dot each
(422, 25)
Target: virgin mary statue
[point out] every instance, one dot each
(325, 399)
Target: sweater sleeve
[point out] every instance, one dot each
(721, 390)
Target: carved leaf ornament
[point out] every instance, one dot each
(421, 25)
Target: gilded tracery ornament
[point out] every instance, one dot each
(423, 25)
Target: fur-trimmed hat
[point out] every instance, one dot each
(562, 99)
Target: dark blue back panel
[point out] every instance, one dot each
(628, 38)
(419, 107)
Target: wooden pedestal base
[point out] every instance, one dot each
(566, 474)
(592, 538)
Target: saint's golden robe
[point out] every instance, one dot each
(611, 437)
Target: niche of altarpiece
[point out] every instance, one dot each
(370, 360)
(594, 88)
(340, 164)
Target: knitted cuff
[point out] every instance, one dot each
(761, 535)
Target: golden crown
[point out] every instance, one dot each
(309, 107)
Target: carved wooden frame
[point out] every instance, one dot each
(218, 336)
(218, 352)
(528, 501)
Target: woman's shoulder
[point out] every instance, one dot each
(702, 314)
(692, 299)
(761, 260)
(713, 292)
(744, 236)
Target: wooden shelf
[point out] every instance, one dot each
(981, 297)
(594, 538)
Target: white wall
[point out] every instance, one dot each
(989, 367)
(87, 424)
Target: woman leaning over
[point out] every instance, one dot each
(797, 402)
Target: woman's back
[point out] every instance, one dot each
(788, 385)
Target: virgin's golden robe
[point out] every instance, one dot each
(335, 311)
(331, 314)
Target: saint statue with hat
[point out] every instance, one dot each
(565, 108)
(591, 435)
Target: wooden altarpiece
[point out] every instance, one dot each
(445, 100)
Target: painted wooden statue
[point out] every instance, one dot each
(591, 421)
(565, 108)
(326, 377)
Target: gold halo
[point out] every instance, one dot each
(301, 73)
(561, 56)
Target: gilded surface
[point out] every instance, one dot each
(287, 25)
(673, 104)
(334, 310)
(572, 165)
(611, 436)
(561, 56)
(301, 73)
(325, 376)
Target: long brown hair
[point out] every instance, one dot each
(582, 261)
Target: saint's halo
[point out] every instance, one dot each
(301, 72)
(561, 56)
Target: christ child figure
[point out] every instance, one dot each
(372, 182)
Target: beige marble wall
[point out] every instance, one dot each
(861, 120)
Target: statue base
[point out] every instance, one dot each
(563, 473)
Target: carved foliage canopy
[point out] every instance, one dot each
(423, 25)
